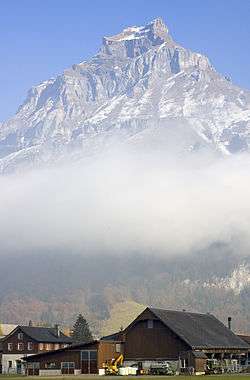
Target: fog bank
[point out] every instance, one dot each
(136, 202)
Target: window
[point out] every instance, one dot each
(34, 365)
(84, 355)
(57, 346)
(30, 346)
(118, 347)
(20, 336)
(20, 346)
(41, 347)
(10, 346)
(87, 355)
(47, 347)
(67, 365)
(10, 364)
(50, 365)
(150, 323)
(93, 355)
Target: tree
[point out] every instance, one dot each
(81, 331)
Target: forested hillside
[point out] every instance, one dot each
(110, 290)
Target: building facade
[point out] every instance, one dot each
(84, 358)
(5, 329)
(189, 339)
(189, 342)
(28, 340)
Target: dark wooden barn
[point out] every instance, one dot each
(189, 338)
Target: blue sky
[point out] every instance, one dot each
(39, 38)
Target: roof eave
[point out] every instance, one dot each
(218, 348)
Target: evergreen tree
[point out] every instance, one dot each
(81, 331)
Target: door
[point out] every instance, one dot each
(18, 367)
(68, 368)
(33, 368)
(89, 361)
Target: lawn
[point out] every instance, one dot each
(82, 377)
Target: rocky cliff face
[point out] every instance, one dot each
(141, 80)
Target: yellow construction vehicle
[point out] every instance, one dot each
(112, 368)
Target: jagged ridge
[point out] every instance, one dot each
(140, 80)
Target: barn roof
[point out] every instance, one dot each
(43, 334)
(246, 338)
(72, 347)
(113, 337)
(199, 330)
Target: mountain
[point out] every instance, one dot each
(140, 86)
(110, 291)
(141, 91)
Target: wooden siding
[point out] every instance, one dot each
(107, 351)
(57, 358)
(199, 364)
(191, 361)
(158, 342)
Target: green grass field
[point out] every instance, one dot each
(82, 377)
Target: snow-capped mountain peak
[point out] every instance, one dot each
(155, 30)
(140, 83)
(136, 40)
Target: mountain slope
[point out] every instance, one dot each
(110, 292)
(139, 80)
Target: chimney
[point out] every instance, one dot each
(57, 331)
(229, 321)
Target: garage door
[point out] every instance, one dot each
(89, 361)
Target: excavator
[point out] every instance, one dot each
(112, 368)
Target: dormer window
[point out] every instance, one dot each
(150, 324)
(20, 336)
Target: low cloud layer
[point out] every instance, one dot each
(143, 203)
